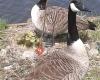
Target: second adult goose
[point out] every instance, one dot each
(48, 18)
(67, 63)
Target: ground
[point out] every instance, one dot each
(16, 61)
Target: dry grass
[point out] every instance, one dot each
(13, 67)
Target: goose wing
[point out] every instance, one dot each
(83, 24)
(56, 65)
(56, 20)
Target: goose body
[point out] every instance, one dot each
(65, 63)
(69, 62)
(55, 17)
(61, 64)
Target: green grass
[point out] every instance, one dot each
(3, 24)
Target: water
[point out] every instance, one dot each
(15, 11)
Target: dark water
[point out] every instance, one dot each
(15, 11)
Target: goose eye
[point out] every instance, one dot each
(78, 3)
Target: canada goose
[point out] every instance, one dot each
(48, 18)
(67, 63)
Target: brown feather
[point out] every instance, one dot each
(57, 17)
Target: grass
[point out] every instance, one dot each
(97, 22)
(3, 24)
(3, 39)
(93, 74)
(30, 39)
(91, 35)
(94, 36)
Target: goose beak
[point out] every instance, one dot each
(86, 10)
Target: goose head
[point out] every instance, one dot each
(42, 4)
(76, 6)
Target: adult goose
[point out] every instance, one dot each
(67, 63)
(54, 19)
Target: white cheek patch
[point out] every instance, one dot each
(74, 8)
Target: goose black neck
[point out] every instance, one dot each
(42, 4)
(72, 28)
